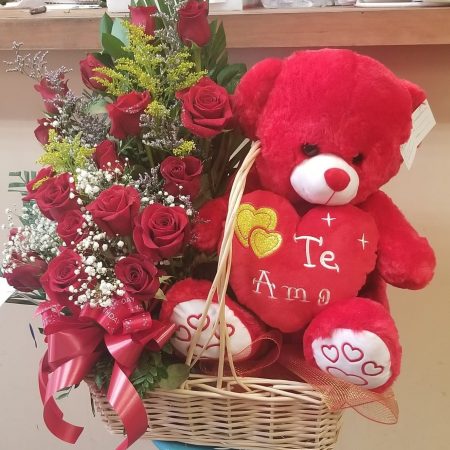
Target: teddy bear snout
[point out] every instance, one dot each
(337, 179)
(325, 179)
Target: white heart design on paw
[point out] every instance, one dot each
(358, 357)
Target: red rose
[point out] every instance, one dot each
(25, 276)
(143, 16)
(106, 157)
(41, 132)
(115, 209)
(161, 231)
(126, 112)
(63, 272)
(193, 23)
(37, 182)
(54, 197)
(50, 92)
(139, 276)
(206, 108)
(87, 66)
(72, 228)
(182, 172)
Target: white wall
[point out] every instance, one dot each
(422, 317)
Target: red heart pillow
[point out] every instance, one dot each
(286, 268)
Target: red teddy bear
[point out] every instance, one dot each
(315, 246)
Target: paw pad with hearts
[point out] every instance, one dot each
(358, 357)
(184, 306)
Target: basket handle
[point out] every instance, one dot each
(220, 283)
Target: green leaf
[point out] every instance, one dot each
(16, 185)
(229, 72)
(99, 106)
(120, 32)
(177, 373)
(99, 380)
(162, 6)
(15, 174)
(103, 58)
(106, 25)
(160, 295)
(113, 46)
(220, 64)
(219, 43)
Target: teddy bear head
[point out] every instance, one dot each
(331, 124)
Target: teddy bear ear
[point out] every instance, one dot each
(418, 95)
(252, 93)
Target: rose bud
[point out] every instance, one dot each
(184, 173)
(87, 66)
(25, 276)
(143, 16)
(37, 182)
(50, 93)
(161, 231)
(206, 108)
(126, 112)
(106, 157)
(115, 209)
(139, 277)
(72, 228)
(54, 197)
(63, 272)
(41, 132)
(193, 23)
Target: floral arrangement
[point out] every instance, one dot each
(106, 226)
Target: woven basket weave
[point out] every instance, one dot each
(232, 411)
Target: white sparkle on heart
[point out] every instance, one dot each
(363, 241)
(328, 219)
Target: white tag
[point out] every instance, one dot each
(5, 291)
(423, 122)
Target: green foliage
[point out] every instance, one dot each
(102, 372)
(176, 375)
(149, 372)
(143, 64)
(65, 155)
(215, 60)
(24, 178)
(153, 370)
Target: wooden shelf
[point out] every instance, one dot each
(309, 27)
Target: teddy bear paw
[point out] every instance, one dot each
(358, 357)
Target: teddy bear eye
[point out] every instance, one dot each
(358, 159)
(310, 150)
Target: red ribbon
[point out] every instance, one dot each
(76, 343)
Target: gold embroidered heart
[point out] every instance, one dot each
(248, 218)
(264, 243)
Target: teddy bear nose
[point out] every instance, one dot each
(337, 179)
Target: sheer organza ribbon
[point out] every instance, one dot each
(75, 343)
(337, 394)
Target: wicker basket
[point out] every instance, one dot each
(232, 411)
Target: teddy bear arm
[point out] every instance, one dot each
(405, 259)
(208, 228)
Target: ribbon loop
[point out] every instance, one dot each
(75, 344)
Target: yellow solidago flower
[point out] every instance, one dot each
(157, 110)
(65, 155)
(184, 149)
(149, 68)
